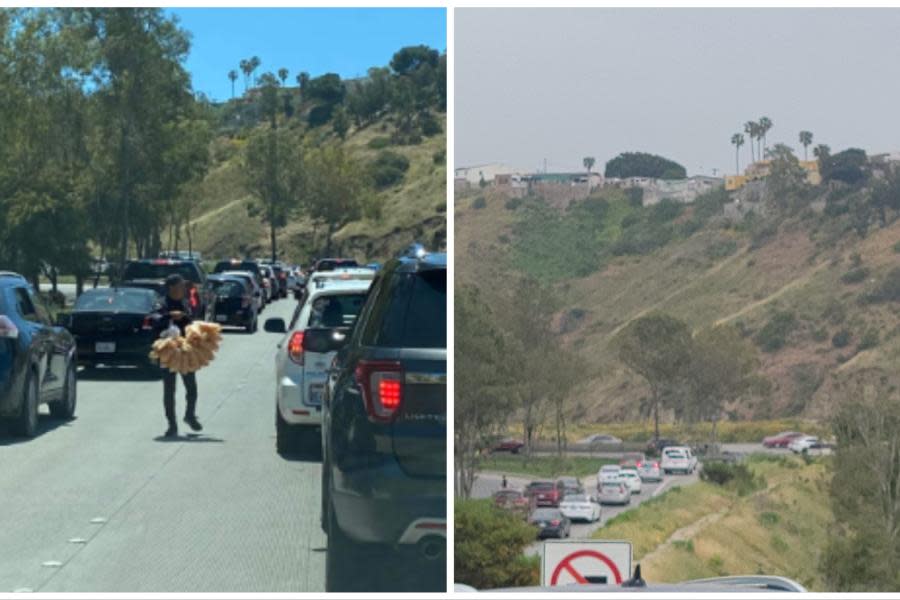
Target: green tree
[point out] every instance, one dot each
(340, 122)
(764, 124)
(283, 75)
(588, 162)
(246, 69)
(656, 347)
(737, 140)
(751, 128)
(268, 85)
(806, 138)
(641, 164)
(336, 191)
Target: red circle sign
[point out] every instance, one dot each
(566, 564)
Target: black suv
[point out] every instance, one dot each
(384, 423)
(151, 273)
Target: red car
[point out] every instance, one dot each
(509, 445)
(512, 500)
(543, 493)
(781, 440)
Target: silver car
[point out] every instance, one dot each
(613, 492)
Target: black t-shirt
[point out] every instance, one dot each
(164, 319)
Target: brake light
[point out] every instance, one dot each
(147, 325)
(8, 329)
(194, 298)
(282, 275)
(639, 464)
(554, 522)
(656, 465)
(381, 383)
(295, 347)
(162, 261)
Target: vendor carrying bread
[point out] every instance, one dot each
(176, 312)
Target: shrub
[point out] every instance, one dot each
(889, 289)
(379, 143)
(489, 545)
(479, 202)
(721, 249)
(841, 339)
(320, 115)
(430, 125)
(773, 336)
(896, 247)
(853, 276)
(388, 168)
(439, 157)
(737, 477)
(513, 203)
(769, 519)
(869, 339)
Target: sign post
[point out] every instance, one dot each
(585, 562)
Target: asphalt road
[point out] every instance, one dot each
(104, 504)
(488, 483)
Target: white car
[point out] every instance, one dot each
(300, 375)
(802, 443)
(580, 507)
(608, 473)
(320, 279)
(678, 459)
(613, 492)
(251, 279)
(650, 471)
(632, 479)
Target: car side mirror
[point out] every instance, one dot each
(275, 325)
(324, 339)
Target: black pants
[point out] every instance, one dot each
(190, 386)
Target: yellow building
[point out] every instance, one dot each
(760, 170)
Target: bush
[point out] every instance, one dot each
(737, 477)
(721, 249)
(889, 289)
(379, 143)
(641, 164)
(488, 547)
(320, 115)
(853, 276)
(479, 202)
(896, 247)
(430, 125)
(513, 203)
(388, 168)
(869, 339)
(439, 157)
(841, 339)
(773, 336)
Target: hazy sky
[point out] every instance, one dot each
(562, 84)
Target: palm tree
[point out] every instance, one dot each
(765, 124)
(588, 162)
(806, 138)
(751, 129)
(738, 141)
(302, 80)
(254, 64)
(232, 75)
(245, 69)
(282, 75)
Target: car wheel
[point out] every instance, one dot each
(64, 408)
(26, 423)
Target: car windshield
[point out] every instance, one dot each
(120, 300)
(160, 270)
(610, 469)
(675, 454)
(336, 310)
(543, 485)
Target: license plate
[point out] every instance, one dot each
(105, 347)
(221, 318)
(315, 394)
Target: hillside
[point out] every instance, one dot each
(799, 286)
(413, 210)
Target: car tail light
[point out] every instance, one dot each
(194, 298)
(639, 464)
(147, 325)
(295, 347)
(554, 522)
(656, 465)
(282, 276)
(381, 383)
(245, 300)
(8, 329)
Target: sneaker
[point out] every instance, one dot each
(172, 431)
(193, 423)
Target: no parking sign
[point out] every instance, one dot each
(581, 562)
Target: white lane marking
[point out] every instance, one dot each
(55, 564)
(23, 590)
(98, 520)
(77, 540)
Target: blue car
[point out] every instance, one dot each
(37, 359)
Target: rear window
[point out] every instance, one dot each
(336, 311)
(228, 289)
(331, 265)
(547, 513)
(416, 316)
(116, 300)
(139, 270)
(542, 486)
(611, 485)
(576, 498)
(675, 454)
(227, 265)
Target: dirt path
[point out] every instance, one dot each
(776, 294)
(686, 533)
